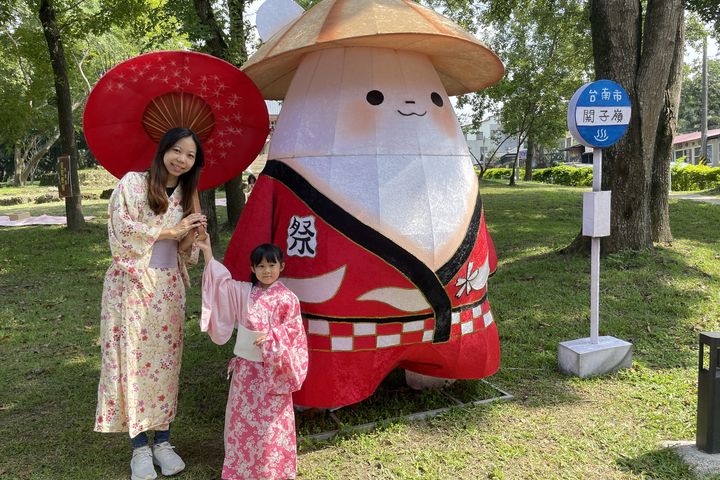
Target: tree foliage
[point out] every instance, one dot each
(690, 102)
(96, 35)
(547, 55)
(708, 10)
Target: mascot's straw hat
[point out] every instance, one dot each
(463, 63)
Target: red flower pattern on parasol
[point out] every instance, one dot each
(138, 100)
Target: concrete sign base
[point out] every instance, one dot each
(584, 359)
(703, 464)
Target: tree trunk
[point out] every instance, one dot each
(704, 105)
(235, 200)
(73, 205)
(237, 54)
(30, 164)
(532, 147)
(19, 163)
(667, 128)
(238, 38)
(207, 205)
(638, 57)
(216, 46)
(516, 165)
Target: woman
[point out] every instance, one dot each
(250, 184)
(151, 234)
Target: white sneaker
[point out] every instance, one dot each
(141, 464)
(169, 462)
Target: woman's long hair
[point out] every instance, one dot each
(157, 193)
(268, 252)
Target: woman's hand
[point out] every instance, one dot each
(259, 341)
(187, 224)
(194, 220)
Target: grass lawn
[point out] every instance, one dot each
(557, 426)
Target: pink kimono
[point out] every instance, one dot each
(259, 421)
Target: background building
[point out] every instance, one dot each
(484, 140)
(259, 163)
(687, 145)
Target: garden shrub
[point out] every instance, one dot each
(96, 177)
(558, 175)
(498, 173)
(684, 177)
(49, 179)
(4, 201)
(564, 175)
(47, 198)
(694, 177)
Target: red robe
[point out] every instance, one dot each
(354, 343)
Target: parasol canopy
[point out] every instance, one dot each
(138, 100)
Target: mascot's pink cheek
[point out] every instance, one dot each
(357, 119)
(445, 122)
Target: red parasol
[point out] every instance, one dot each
(138, 100)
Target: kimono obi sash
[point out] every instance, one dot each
(164, 254)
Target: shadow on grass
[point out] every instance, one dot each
(661, 464)
(393, 401)
(690, 220)
(649, 298)
(457, 417)
(51, 281)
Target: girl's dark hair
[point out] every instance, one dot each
(157, 195)
(268, 252)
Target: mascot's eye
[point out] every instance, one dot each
(375, 97)
(436, 99)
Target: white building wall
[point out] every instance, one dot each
(691, 151)
(485, 139)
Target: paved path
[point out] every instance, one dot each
(714, 199)
(39, 220)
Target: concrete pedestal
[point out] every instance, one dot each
(583, 359)
(703, 464)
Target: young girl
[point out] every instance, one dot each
(151, 236)
(270, 363)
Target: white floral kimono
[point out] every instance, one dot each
(143, 312)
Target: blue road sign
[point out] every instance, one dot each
(599, 113)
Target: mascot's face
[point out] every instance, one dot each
(373, 129)
(366, 101)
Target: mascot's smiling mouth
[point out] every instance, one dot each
(412, 113)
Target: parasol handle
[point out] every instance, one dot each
(201, 232)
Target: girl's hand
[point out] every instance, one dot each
(258, 341)
(206, 248)
(187, 242)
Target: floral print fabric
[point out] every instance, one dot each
(259, 421)
(142, 316)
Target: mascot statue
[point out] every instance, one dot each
(370, 190)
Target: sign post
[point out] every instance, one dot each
(64, 183)
(598, 116)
